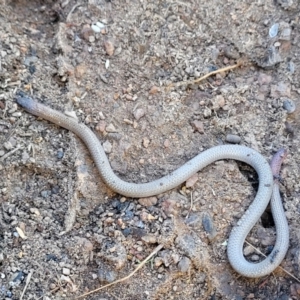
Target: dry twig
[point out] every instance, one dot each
(71, 11)
(206, 75)
(158, 248)
(26, 285)
(4, 157)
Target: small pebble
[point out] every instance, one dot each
(166, 144)
(150, 239)
(65, 278)
(273, 31)
(277, 44)
(158, 261)
(248, 250)
(139, 224)
(138, 113)
(184, 264)
(35, 211)
(207, 112)
(17, 114)
(233, 139)
(80, 70)
(101, 115)
(7, 145)
(166, 257)
(30, 60)
(220, 101)
(289, 105)
(101, 126)
(92, 39)
(282, 89)
(139, 249)
(66, 271)
(100, 25)
(60, 153)
(95, 28)
(255, 257)
(190, 183)
(208, 225)
(127, 231)
(103, 78)
(286, 34)
(13, 109)
(146, 142)
(291, 67)
(127, 121)
(107, 64)
(150, 201)
(154, 90)
(107, 146)
(85, 245)
(19, 276)
(45, 194)
(109, 47)
(144, 216)
(288, 127)
(295, 289)
(106, 275)
(198, 126)
(52, 286)
(270, 58)
(169, 206)
(175, 257)
(86, 32)
(111, 128)
(193, 220)
(264, 79)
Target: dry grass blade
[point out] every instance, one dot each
(206, 75)
(26, 285)
(158, 248)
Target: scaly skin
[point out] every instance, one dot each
(177, 177)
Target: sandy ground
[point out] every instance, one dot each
(63, 232)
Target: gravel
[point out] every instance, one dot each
(113, 65)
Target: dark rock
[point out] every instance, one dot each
(184, 264)
(106, 275)
(208, 226)
(270, 59)
(60, 154)
(127, 231)
(194, 220)
(289, 105)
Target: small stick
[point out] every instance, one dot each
(191, 206)
(26, 285)
(205, 76)
(10, 153)
(159, 247)
(71, 11)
